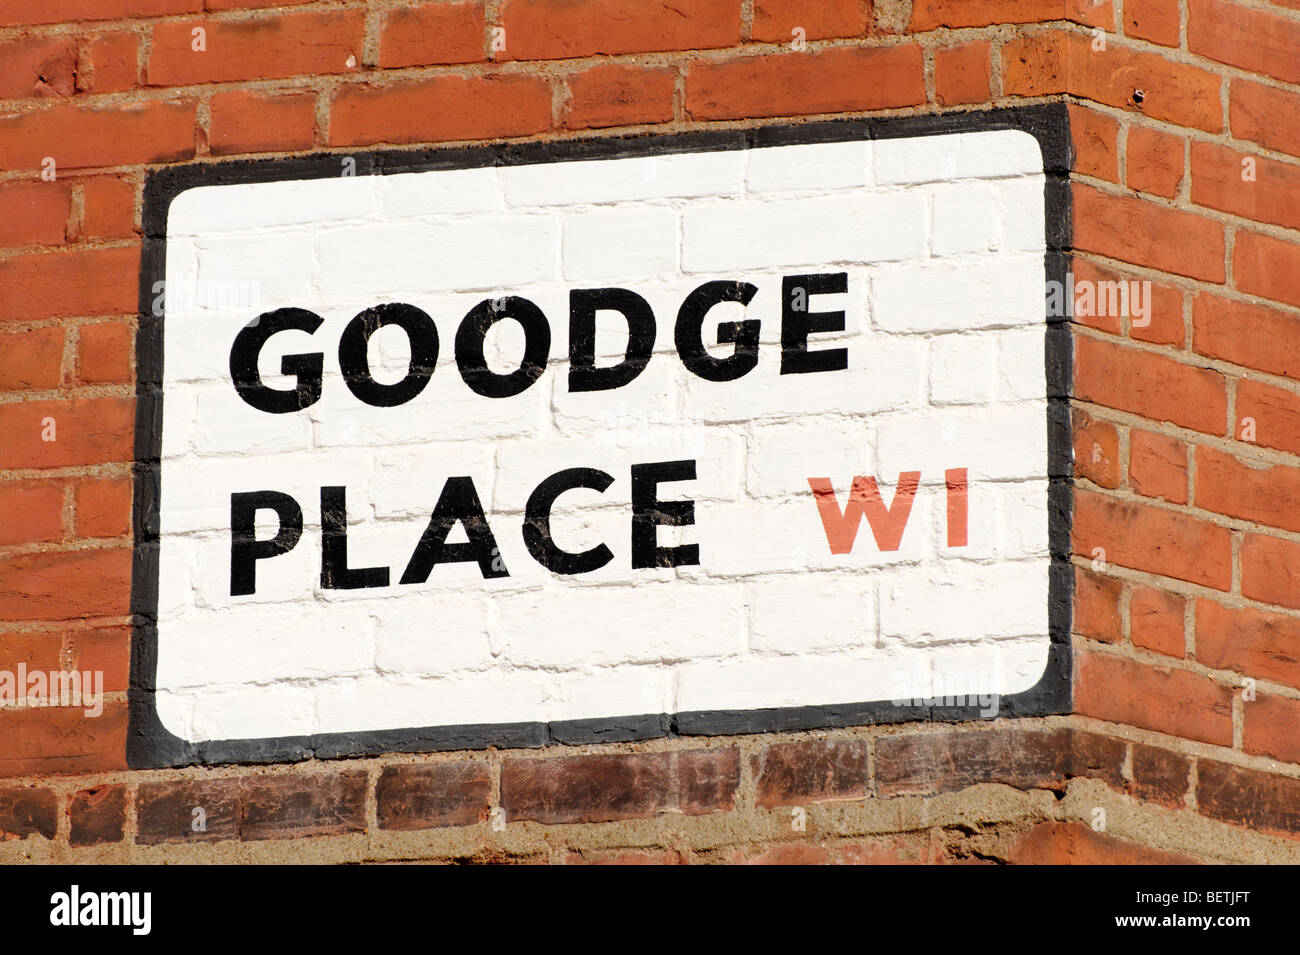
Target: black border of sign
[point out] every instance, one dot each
(151, 745)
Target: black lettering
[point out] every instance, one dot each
(689, 332)
(537, 523)
(469, 346)
(335, 574)
(584, 303)
(354, 353)
(797, 323)
(648, 512)
(245, 549)
(308, 368)
(458, 502)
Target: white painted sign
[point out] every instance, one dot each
(720, 431)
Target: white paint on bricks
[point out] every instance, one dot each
(941, 239)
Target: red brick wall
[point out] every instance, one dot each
(1187, 516)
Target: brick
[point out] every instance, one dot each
(1145, 233)
(103, 649)
(104, 353)
(432, 33)
(558, 29)
(1269, 727)
(39, 650)
(1163, 699)
(1255, 336)
(1250, 38)
(1096, 450)
(108, 206)
(104, 507)
(619, 786)
(440, 109)
(1158, 21)
(1156, 621)
(930, 14)
(1268, 267)
(786, 853)
(1267, 573)
(1228, 485)
(1164, 323)
(27, 811)
(1251, 642)
(1157, 466)
(263, 48)
(302, 805)
(1087, 274)
(59, 740)
(248, 122)
(1096, 606)
(1160, 776)
(97, 816)
(1150, 385)
(624, 857)
(1155, 161)
(80, 282)
(962, 74)
(1095, 137)
(707, 780)
(618, 95)
(775, 20)
(165, 811)
(795, 83)
(1275, 413)
(65, 585)
(1073, 843)
(1244, 797)
(88, 137)
(786, 774)
(35, 213)
(215, 5)
(31, 512)
(950, 760)
(31, 359)
(428, 795)
(86, 431)
(109, 63)
(23, 12)
(38, 67)
(1265, 115)
(1046, 64)
(1273, 196)
(1153, 539)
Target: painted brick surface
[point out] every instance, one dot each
(1185, 133)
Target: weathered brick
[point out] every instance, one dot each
(57, 740)
(166, 811)
(1244, 797)
(1228, 485)
(1255, 336)
(617, 786)
(1160, 776)
(1096, 606)
(85, 431)
(97, 815)
(31, 512)
(427, 795)
(1155, 161)
(1251, 642)
(1156, 621)
(61, 585)
(431, 33)
(781, 84)
(1157, 466)
(1270, 570)
(1026, 759)
(31, 359)
(1270, 194)
(244, 121)
(557, 29)
(1253, 39)
(27, 811)
(1153, 539)
(1073, 843)
(962, 74)
(441, 108)
(809, 771)
(1265, 266)
(1163, 699)
(1143, 232)
(302, 805)
(72, 282)
(1096, 450)
(618, 95)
